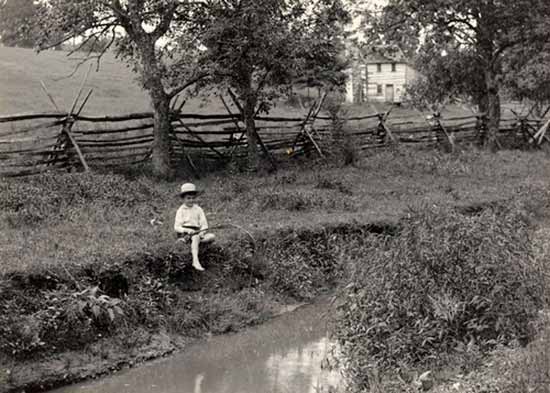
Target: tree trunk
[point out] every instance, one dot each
(493, 110)
(162, 167)
(160, 101)
(249, 109)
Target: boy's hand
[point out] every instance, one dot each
(185, 238)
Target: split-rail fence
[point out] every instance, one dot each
(35, 143)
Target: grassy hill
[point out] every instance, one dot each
(116, 89)
(21, 71)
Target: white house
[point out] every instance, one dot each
(378, 78)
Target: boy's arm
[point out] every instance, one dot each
(178, 222)
(202, 220)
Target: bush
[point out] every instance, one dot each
(66, 320)
(447, 281)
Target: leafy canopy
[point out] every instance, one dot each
(16, 22)
(259, 48)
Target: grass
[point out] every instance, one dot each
(39, 227)
(23, 69)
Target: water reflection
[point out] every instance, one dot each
(282, 356)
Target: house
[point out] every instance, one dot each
(378, 78)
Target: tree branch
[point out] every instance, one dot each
(165, 21)
(80, 32)
(178, 89)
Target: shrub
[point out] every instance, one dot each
(301, 265)
(65, 320)
(446, 281)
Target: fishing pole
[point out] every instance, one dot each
(219, 226)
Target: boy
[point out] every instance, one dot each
(191, 222)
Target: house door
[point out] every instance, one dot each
(389, 93)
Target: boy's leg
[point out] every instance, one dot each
(208, 238)
(195, 240)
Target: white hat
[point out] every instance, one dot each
(188, 188)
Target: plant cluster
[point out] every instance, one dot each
(64, 320)
(447, 282)
(306, 263)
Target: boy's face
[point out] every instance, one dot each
(189, 199)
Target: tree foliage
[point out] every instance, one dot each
(484, 31)
(16, 22)
(445, 78)
(527, 74)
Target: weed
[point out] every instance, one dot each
(447, 281)
(64, 320)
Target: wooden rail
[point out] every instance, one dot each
(34, 143)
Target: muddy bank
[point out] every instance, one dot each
(71, 323)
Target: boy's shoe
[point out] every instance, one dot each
(198, 266)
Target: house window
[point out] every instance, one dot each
(379, 90)
(393, 68)
(378, 67)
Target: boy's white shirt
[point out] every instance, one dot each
(190, 216)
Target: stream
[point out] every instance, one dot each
(283, 355)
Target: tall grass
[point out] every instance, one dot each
(449, 288)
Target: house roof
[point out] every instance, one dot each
(376, 58)
(381, 55)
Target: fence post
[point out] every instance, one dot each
(448, 136)
(67, 130)
(260, 141)
(384, 129)
(481, 126)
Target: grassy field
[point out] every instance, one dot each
(23, 69)
(82, 218)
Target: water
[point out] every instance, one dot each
(283, 355)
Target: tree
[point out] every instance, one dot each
(527, 75)
(258, 48)
(486, 31)
(445, 78)
(158, 38)
(16, 21)
(323, 51)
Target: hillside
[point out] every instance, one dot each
(115, 87)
